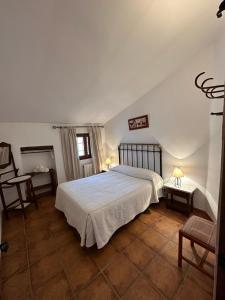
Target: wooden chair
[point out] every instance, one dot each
(201, 232)
(6, 160)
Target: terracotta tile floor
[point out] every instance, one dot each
(45, 260)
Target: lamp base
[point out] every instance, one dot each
(177, 182)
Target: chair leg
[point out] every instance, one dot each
(180, 250)
(21, 199)
(33, 193)
(29, 196)
(3, 203)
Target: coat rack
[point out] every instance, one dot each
(211, 91)
(221, 9)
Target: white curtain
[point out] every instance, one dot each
(96, 147)
(70, 153)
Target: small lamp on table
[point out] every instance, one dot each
(178, 173)
(108, 162)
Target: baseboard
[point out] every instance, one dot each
(210, 205)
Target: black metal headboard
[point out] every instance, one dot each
(147, 156)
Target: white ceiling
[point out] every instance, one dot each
(86, 60)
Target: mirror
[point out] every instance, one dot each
(5, 155)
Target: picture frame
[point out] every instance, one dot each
(138, 122)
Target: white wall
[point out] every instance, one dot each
(179, 121)
(66, 61)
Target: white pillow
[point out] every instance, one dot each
(143, 174)
(135, 172)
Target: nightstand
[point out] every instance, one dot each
(185, 191)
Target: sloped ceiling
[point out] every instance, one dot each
(86, 60)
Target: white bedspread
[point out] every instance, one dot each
(98, 205)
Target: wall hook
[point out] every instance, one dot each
(221, 9)
(211, 91)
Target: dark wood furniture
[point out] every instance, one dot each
(185, 192)
(43, 189)
(220, 247)
(48, 188)
(14, 180)
(36, 149)
(201, 232)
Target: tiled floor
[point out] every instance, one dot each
(45, 260)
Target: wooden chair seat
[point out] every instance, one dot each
(19, 179)
(201, 232)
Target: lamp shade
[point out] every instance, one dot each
(108, 161)
(177, 172)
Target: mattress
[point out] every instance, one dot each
(98, 205)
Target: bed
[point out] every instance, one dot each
(100, 204)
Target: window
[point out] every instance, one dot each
(83, 145)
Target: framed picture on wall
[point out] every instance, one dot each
(138, 122)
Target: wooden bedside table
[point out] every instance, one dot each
(185, 191)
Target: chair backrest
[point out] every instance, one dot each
(6, 160)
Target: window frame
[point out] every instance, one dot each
(87, 145)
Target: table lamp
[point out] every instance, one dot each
(108, 162)
(178, 173)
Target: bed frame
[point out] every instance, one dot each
(147, 156)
